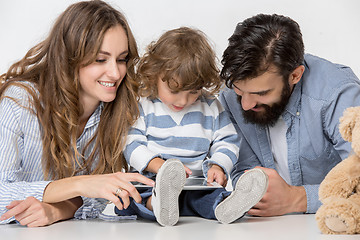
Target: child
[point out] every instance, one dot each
(183, 130)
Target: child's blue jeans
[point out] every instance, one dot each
(200, 203)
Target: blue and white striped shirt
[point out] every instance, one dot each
(200, 135)
(21, 173)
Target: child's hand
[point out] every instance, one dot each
(188, 171)
(154, 165)
(216, 173)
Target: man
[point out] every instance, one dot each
(286, 108)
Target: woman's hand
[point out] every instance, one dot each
(61, 198)
(34, 213)
(107, 185)
(98, 186)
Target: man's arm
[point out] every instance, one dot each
(280, 198)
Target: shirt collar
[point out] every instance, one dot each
(293, 107)
(95, 117)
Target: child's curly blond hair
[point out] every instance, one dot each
(184, 59)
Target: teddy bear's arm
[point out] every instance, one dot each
(342, 180)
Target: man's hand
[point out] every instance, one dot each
(280, 198)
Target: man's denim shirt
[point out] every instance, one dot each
(312, 115)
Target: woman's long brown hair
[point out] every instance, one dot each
(53, 67)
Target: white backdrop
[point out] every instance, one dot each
(330, 27)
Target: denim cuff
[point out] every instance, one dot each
(91, 208)
(312, 196)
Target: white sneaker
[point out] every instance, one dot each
(170, 181)
(249, 189)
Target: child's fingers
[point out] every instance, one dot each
(210, 177)
(225, 183)
(221, 180)
(187, 170)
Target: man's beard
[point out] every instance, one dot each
(270, 115)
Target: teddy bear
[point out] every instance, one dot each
(339, 192)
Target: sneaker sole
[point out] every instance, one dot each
(170, 181)
(249, 190)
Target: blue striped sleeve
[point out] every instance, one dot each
(136, 152)
(224, 150)
(12, 174)
(21, 173)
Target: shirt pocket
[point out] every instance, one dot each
(11, 176)
(316, 161)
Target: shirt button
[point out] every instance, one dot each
(297, 113)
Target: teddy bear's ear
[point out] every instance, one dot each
(348, 122)
(356, 137)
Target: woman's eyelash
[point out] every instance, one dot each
(123, 60)
(118, 60)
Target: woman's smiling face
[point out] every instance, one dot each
(99, 80)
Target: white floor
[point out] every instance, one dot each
(290, 227)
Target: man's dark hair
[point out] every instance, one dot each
(259, 42)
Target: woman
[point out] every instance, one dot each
(65, 111)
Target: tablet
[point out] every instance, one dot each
(191, 183)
